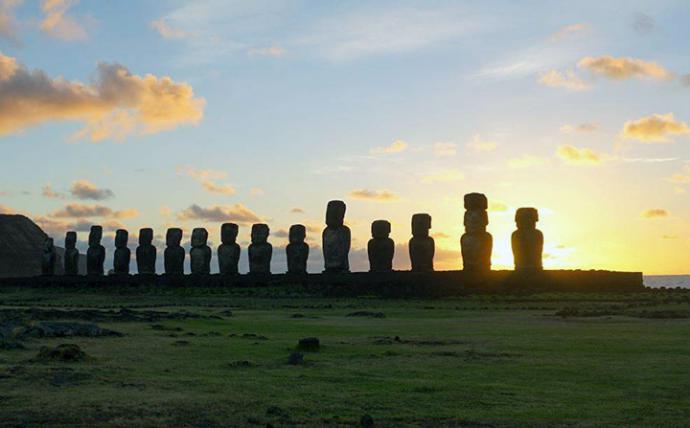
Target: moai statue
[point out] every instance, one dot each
(146, 252)
(527, 241)
(173, 256)
(200, 254)
(95, 255)
(122, 254)
(48, 257)
(297, 250)
(381, 248)
(421, 245)
(476, 242)
(71, 254)
(336, 239)
(260, 251)
(229, 249)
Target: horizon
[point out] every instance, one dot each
(191, 114)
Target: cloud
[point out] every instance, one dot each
(442, 149)
(57, 228)
(272, 51)
(115, 105)
(4, 209)
(84, 189)
(624, 68)
(498, 206)
(48, 192)
(168, 32)
(8, 23)
(479, 145)
(396, 146)
(223, 189)
(568, 31)
(57, 23)
(81, 211)
(256, 191)
(648, 160)
(237, 213)
(681, 177)
(373, 195)
(297, 210)
(574, 156)
(206, 177)
(655, 213)
(580, 128)
(527, 161)
(443, 176)
(654, 129)
(568, 80)
(685, 79)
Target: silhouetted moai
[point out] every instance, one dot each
(173, 256)
(336, 239)
(122, 254)
(200, 253)
(421, 245)
(527, 241)
(297, 250)
(95, 255)
(260, 251)
(71, 254)
(229, 249)
(476, 242)
(381, 247)
(146, 252)
(48, 257)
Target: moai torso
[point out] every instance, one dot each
(71, 254)
(122, 254)
(527, 241)
(146, 252)
(95, 255)
(229, 250)
(260, 251)
(48, 257)
(476, 242)
(336, 239)
(200, 254)
(173, 256)
(297, 250)
(381, 247)
(421, 245)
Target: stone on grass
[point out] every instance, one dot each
(66, 352)
(308, 344)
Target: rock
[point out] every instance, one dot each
(381, 247)
(421, 245)
(297, 251)
(200, 253)
(527, 241)
(65, 352)
(366, 421)
(260, 251)
(95, 255)
(336, 239)
(71, 254)
(228, 250)
(295, 358)
(308, 344)
(48, 257)
(146, 252)
(122, 255)
(174, 253)
(476, 242)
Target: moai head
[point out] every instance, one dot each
(199, 237)
(145, 236)
(476, 201)
(121, 238)
(380, 229)
(228, 233)
(95, 235)
(421, 223)
(70, 240)
(298, 233)
(260, 233)
(48, 245)
(526, 218)
(173, 237)
(335, 213)
(476, 220)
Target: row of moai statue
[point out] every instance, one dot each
(476, 243)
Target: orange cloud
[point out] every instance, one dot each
(568, 80)
(624, 68)
(223, 189)
(58, 24)
(8, 23)
(654, 129)
(373, 195)
(48, 192)
(168, 32)
(82, 211)
(115, 105)
(479, 145)
(568, 31)
(219, 213)
(582, 127)
(205, 177)
(655, 213)
(573, 155)
(396, 146)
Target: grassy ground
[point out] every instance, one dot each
(545, 360)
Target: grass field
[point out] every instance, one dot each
(215, 357)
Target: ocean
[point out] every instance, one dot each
(668, 281)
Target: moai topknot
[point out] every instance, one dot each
(173, 256)
(229, 249)
(527, 241)
(297, 250)
(381, 247)
(146, 252)
(336, 239)
(476, 242)
(48, 257)
(421, 245)
(260, 251)
(200, 254)
(71, 254)
(122, 254)
(95, 255)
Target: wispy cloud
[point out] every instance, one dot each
(527, 161)
(578, 156)
(445, 149)
(655, 213)
(206, 178)
(480, 145)
(586, 127)
(58, 23)
(167, 31)
(272, 51)
(48, 192)
(654, 129)
(568, 31)
(84, 189)
(444, 176)
(624, 68)
(9, 28)
(80, 211)
(237, 213)
(568, 80)
(396, 146)
(373, 195)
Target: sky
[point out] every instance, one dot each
(189, 114)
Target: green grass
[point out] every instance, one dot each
(476, 361)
